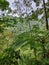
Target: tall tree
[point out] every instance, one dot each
(45, 14)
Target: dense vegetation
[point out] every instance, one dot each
(24, 40)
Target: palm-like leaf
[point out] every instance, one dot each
(25, 38)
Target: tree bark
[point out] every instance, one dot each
(45, 14)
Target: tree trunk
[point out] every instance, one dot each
(45, 14)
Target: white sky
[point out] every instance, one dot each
(33, 5)
(11, 1)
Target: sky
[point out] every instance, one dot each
(33, 6)
(11, 1)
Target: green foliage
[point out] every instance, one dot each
(1, 29)
(36, 40)
(4, 4)
(9, 57)
(27, 48)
